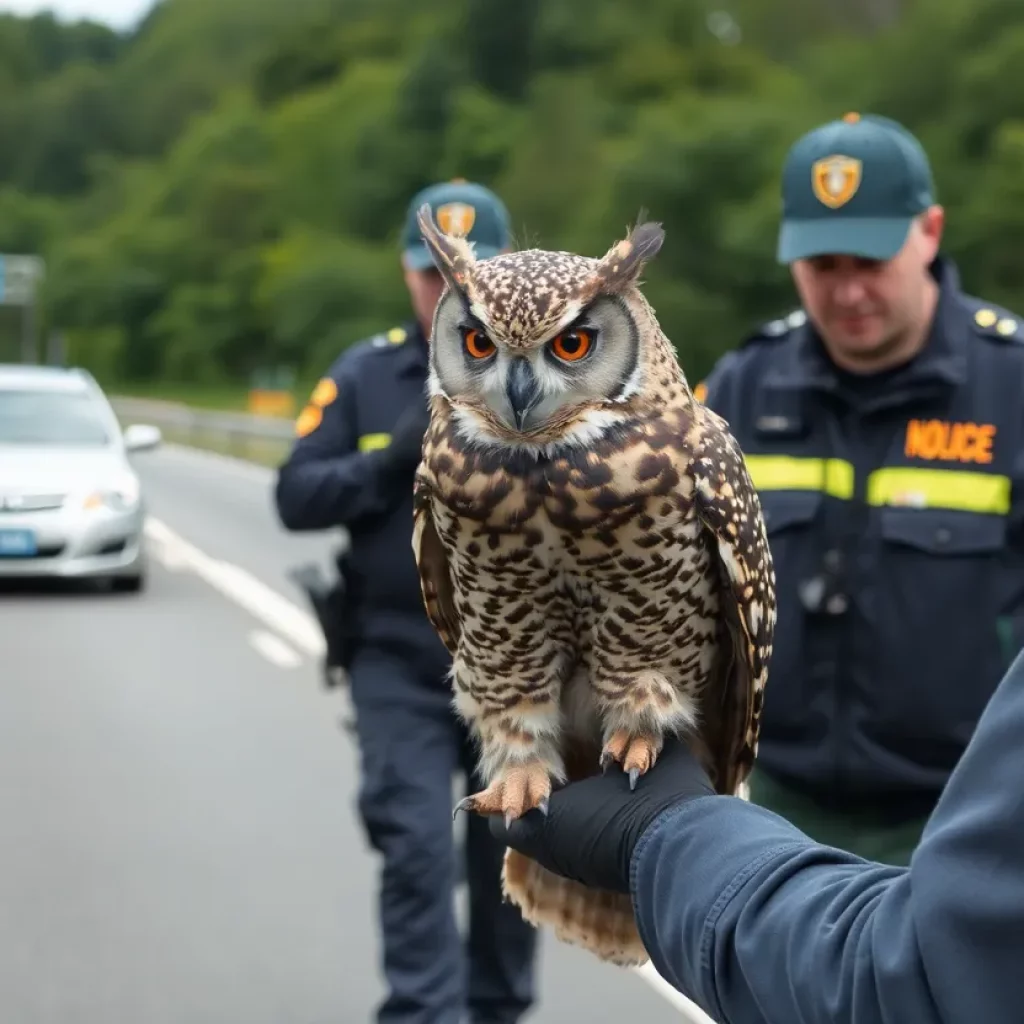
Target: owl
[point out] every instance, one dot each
(590, 547)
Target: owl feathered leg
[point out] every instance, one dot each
(639, 709)
(519, 746)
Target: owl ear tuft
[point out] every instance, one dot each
(624, 262)
(452, 255)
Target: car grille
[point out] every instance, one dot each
(30, 502)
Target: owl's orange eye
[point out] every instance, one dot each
(573, 345)
(478, 345)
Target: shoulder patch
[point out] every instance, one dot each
(325, 392)
(308, 420)
(312, 415)
(780, 328)
(996, 322)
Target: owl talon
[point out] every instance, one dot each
(512, 794)
(635, 753)
(465, 804)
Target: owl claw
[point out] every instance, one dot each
(512, 794)
(465, 804)
(636, 754)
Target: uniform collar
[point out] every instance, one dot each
(943, 360)
(414, 354)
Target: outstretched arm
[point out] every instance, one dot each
(757, 923)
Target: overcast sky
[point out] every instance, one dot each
(119, 13)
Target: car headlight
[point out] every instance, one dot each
(122, 496)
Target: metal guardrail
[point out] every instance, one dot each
(263, 438)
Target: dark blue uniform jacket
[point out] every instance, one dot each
(759, 925)
(338, 475)
(894, 508)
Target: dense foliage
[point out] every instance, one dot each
(222, 191)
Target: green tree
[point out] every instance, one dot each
(223, 189)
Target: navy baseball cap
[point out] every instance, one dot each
(853, 187)
(459, 207)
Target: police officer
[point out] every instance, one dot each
(359, 442)
(884, 429)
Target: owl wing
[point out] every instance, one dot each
(727, 504)
(432, 563)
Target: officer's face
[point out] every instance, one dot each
(873, 313)
(425, 287)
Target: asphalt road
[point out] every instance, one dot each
(179, 838)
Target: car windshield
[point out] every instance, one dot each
(52, 418)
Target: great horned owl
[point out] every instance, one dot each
(590, 546)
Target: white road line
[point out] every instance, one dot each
(237, 585)
(692, 1013)
(274, 649)
(284, 618)
(169, 556)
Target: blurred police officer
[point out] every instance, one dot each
(884, 429)
(359, 442)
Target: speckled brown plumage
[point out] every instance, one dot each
(601, 580)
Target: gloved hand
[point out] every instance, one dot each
(404, 452)
(592, 826)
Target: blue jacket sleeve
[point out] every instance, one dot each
(326, 480)
(759, 925)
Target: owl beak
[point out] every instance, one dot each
(522, 390)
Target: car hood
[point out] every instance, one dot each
(59, 470)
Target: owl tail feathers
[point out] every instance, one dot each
(599, 921)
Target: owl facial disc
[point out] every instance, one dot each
(536, 342)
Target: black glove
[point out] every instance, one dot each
(592, 826)
(403, 453)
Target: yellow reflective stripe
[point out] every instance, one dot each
(370, 442)
(905, 486)
(783, 473)
(940, 488)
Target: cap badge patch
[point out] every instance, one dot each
(835, 180)
(456, 218)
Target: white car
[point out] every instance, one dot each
(70, 502)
